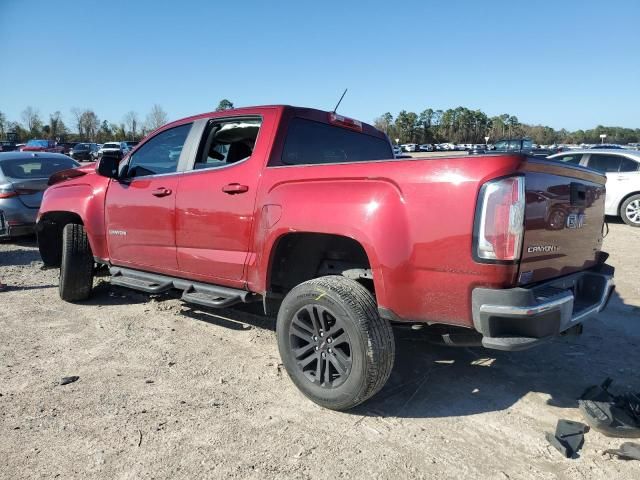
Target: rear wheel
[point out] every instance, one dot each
(76, 267)
(333, 343)
(630, 211)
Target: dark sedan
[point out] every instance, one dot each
(23, 179)
(84, 152)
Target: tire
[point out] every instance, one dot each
(76, 268)
(333, 343)
(630, 211)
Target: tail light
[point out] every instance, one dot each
(7, 191)
(345, 122)
(499, 225)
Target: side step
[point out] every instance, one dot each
(193, 292)
(147, 286)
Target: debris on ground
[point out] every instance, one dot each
(68, 380)
(610, 414)
(627, 451)
(568, 437)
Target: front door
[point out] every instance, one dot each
(140, 206)
(216, 200)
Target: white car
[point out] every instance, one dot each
(113, 147)
(397, 150)
(426, 147)
(410, 147)
(622, 168)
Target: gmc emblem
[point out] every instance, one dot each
(575, 220)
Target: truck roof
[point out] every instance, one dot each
(286, 110)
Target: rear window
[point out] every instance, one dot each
(26, 168)
(310, 143)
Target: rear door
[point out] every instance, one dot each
(215, 206)
(140, 207)
(622, 177)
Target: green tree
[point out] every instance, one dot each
(224, 105)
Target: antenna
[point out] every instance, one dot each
(339, 101)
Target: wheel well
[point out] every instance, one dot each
(298, 257)
(49, 231)
(624, 199)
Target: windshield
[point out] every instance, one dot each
(37, 143)
(111, 145)
(81, 146)
(30, 167)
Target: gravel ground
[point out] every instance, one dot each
(171, 391)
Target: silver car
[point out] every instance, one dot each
(622, 168)
(23, 179)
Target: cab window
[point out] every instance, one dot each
(160, 154)
(226, 142)
(309, 142)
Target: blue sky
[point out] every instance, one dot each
(572, 64)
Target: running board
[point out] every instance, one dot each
(204, 294)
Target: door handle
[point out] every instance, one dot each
(235, 188)
(161, 192)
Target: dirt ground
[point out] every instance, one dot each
(171, 391)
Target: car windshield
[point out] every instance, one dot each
(81, 146)
(32, 167)
(37, 143)
(111, 145)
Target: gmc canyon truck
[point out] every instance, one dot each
(309, 213)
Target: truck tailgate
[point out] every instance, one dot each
(564, 216)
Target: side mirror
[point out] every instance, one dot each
(108, 164)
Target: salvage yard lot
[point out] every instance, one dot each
(167, 390)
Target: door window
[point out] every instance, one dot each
(227, 142)
(160, 154)
(628, 165)
(605, 163)
(573, 159)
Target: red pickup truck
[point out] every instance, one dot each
(308, 212)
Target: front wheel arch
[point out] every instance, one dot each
(49, 235)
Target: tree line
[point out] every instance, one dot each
(85, 126)
(463, 125)
(455, 125)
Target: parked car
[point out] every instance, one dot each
(23, 178)
(41, 146)
(514, 145)
(67, 146)
(131, 144)
(7, 146)
(397, 150)
(113, 147)
(607, 146)
(426, 147)
(84, 152)
(410, 147)
(303, 225)
(622, 168)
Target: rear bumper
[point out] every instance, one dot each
(520, 318)
(16, 225)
